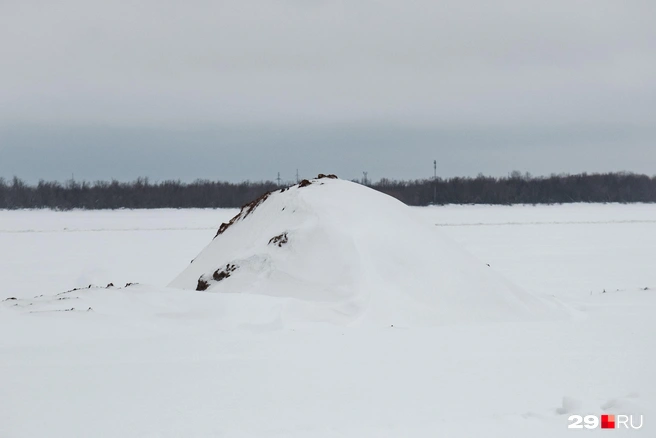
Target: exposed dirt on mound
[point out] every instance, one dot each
(279, 240)
(251, 206)
(243, 213)
(223, 273)
(218, 275)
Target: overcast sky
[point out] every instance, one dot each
(243, 89)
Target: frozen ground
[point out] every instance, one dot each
(150, 361)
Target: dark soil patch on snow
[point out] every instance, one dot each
(243, 213)
(218, 275)
(223, 273)
(251, 206)
(279, 240)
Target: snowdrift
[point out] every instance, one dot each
(338, 252)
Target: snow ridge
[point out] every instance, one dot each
(338, 252)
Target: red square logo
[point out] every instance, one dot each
(608, 421)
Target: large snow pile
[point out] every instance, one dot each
(339, 252)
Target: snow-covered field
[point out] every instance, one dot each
(151, 361)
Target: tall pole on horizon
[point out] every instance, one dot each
(278, 179)
(434, 181)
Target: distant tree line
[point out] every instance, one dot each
(520, 188)
(136, 194)
(517, 188)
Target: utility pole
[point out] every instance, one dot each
(365, 178)
(278, 179)
(434, 182)
(297, 179)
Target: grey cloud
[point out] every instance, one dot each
(421, 63)
(487, 86)
(258, 153)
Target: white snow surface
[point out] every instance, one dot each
(153, 361)
(356, 256)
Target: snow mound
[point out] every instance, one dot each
(338, 252)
